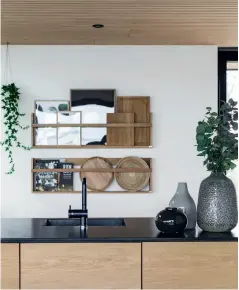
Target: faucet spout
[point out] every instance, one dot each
(81, 213)
(84, 194)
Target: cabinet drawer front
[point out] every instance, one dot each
(196, 265)
(9, 266)
(81, 266)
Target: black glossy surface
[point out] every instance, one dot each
(92, 222)
(135, 230)
(171, 220)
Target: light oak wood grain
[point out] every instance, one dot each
(120, 136)
(113, 125)
(151, 131)
(101, 170)
(81, 266)
(97, 180)
(171, 22)
(191, 265)
(140, 106)
(85, 147)
(94, 192)
(9, 266)
(151, 178)
(114, 161)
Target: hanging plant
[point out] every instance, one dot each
(10, 101)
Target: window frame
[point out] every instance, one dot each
(225, 54)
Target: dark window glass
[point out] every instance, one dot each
(227, 74)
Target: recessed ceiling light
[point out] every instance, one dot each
(98, 25)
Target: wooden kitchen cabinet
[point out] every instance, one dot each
(9, 266)
(81, 266)
(190, 265)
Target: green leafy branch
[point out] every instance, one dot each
(10, 96)
(217, 138)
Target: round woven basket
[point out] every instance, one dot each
(132, 181)
(97, 180)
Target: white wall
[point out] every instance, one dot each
(181, 80)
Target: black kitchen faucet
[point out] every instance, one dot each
(81, 214)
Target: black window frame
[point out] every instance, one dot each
(225, 54)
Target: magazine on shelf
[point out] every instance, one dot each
(65, 179)
(46, 181)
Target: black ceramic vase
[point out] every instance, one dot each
(171, 220)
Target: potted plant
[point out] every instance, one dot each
(10, 96)
(217, 142)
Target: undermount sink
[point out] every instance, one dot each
(91, 222)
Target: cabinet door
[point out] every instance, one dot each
(81, 266)
(201, 265)
(9, 266)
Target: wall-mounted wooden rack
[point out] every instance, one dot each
(34, 126)
(114, 125)
(84, 147)
(80, 161)
(128, 170)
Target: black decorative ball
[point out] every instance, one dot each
(171, 220)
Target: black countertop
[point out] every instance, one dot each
(32, 230)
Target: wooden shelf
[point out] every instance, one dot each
(92, 192)
(84, 147)
(113, 125)
(79, 162)
(139, 170)
(35, 126)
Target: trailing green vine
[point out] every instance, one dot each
(10, 101)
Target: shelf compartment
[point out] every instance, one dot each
(84, 146)
(57, 126)
(93, 192)
(126, 170)
(114, 125)
(80, 161)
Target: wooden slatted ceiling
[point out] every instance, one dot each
(127, 22)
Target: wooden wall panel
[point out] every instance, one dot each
(159, 22)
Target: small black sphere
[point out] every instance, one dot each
(171, 220)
